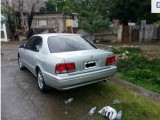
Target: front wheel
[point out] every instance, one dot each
(41, 84)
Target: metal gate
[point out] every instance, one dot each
(125, 34)
(135, 35)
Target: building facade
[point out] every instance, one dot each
(54, 22)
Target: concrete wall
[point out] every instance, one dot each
(57, 21)
(119, 35)
(148, 33)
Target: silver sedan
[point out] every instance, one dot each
(65, 61)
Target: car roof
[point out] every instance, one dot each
(56, 34)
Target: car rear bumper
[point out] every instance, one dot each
(77, 80)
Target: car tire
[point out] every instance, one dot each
(41, 84)
(20, 64)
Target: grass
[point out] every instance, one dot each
(136, 67)
(134, 106)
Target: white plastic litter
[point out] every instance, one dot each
(109, 112)
(68, 101)
(92, 111)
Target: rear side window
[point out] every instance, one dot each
(34, 43)
(68, 43)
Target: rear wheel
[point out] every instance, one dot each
(20, 64)
(41, 84)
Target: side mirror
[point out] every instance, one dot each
(21, 46)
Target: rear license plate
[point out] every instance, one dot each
(90, 64)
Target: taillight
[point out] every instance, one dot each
(110, 60)
(70, 67)
(65, 68)
(60, 68)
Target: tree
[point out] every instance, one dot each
(30, 13)
(131, 10)
(19, 7)
(56, 5)
(94, 12)
(94, 22)
(50, 5)
(30, 19)
(9, 19)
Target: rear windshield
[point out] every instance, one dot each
(68, 43)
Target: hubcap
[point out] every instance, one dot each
(40, 80)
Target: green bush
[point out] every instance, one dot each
(137, 69)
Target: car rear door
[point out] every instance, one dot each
(32, 49)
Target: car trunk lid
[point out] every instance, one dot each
(86, 59)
